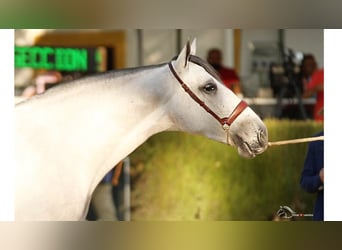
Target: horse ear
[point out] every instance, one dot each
(193, 47)
(183, 57)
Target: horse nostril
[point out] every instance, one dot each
(262, 137)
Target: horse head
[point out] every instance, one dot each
(203, 105)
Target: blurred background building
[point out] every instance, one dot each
(250, 52)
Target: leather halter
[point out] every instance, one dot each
(225, 121)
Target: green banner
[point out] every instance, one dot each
(61, 59)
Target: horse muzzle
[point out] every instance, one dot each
(250, 146)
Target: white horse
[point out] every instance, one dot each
(68, 138)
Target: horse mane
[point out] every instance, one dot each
(110, 75)
(107, 76)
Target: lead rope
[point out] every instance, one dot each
(301, 140)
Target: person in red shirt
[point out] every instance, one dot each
(228, 76)
(316, 87)
(307, 68)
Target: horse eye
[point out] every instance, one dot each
(210, 88)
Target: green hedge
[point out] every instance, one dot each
(176, 176)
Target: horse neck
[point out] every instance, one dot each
(127, 112)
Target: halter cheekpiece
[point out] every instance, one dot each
(225, 121)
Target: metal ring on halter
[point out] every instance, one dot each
(226, 121)
(225, 127)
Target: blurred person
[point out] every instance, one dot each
(307, 68)
(43, 81)
(46, 80)
(102, 202)
(228, 76)
(29, 91)
(315, 87)
(312, 176)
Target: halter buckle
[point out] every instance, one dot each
(225, 127)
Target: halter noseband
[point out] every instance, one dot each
(225, 121)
